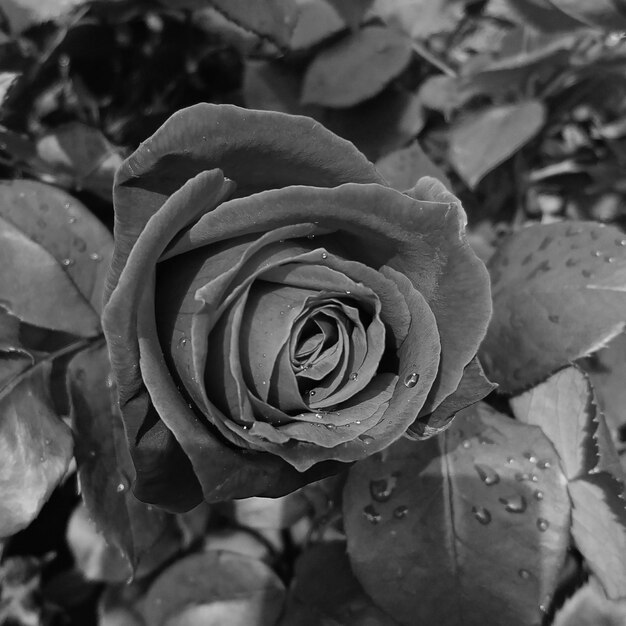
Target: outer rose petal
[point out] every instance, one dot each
(257, 149)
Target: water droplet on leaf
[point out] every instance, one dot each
(487, 474)
(371, 514)
(400, 511)
(482, 515)
(382, 489)
(514, 504)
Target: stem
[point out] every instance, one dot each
(69, 349)
(432, 59)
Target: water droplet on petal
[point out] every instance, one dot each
(538, 495)
(354, 375)
(120, 488)
(94, 256)
(312, 392)
(366, 439)
(348, 292)
(610, 259)
(319, 416)
(522, 476)
(543, 524)
(400, 511)
(544, 464)
(621, 242)
(67, 262)
(530, 456)
(71, 220)
(467, 444)
(524, 574)
(182, 342)
(411, 379)
(324, 255)
(596, 253)
(310, 236)
(514, 504)
(330, 426)
(371, 514)
(382, 489)
(482, 515)
(483, 440)
(510, 460)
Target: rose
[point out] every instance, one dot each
(274, 311)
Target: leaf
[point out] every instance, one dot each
(606, 370)
(462, 527)
(35, 448)
(84, 154)
(215, 588)
(270, 86)
(352, 11)
(419, 18)
(144, 534)
(22, 14)
(589, 605)
(559, 292)
(62, 248)
(271, 512)
(356, 68)
(481, 141)
(544, 15)
(317, 20)
(7, 80)
(565, 408)
(379, 125)
(402, 168)
(605, 14)
(599, 529)
(272, 19)
(326, 593)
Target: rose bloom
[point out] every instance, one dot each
(275, 311)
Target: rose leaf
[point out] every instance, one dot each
(83, 154)
(326, 593)
(60, 253)
(270, 19)
(589, 605)
(356, 68)
(402, 168)
(559, 294)
(565, 409)
(462, 527)
(606, 370)
(35, 447)
(144, 534)
(483, 140)
(316, 21)
(599, 528)
(215, 588)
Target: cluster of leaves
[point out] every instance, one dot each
(516, 513)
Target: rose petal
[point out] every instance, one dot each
(120, 320)
(257, 149)
(473, 387)
(421, 239)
